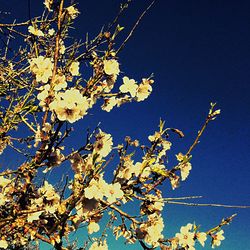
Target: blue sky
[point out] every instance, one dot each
(199, 52)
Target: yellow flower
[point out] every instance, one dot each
(103, 144)
(35, 31)
(201, 237)
(48, 191)
(101, 246)
(70, 105)
(4, 181)
(60, 82)
(113, 192)
(3, 244)
(185, 169)
(109, 104)
(185, 237)
(48, 4)
(143, 90)
(96, 189)
(153, 229)
(128, 85)
(34, 216)
(217, 238)
(74, 68)
(42, 68)
(111, 67)
(72, 11)
(93, 227)
(51, 32)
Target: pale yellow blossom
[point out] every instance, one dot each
(143, 90)
(48, 191)
(3, 199)
(48, 4)
(4, 181)
(74, 68)
(186, 237)
(128, 85)
(72, 11)
(109, 104)
(42, 68)
(153, 229)
(201, 237)
(101, 246)
(217, 238)
(51, 32)
(185, 169)
(103, 144)
(34, 216)
(93, 227)
(113, 192)
(35, 31)
(60, 82)
(3, 244)
(70, 105)
(111, 67)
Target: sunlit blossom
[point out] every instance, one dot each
(109, 104)
(113, 192)
(35, 31)
(99, 246)
(70, 105)
(128, 86)
(74, 68)
(111, 67)
(42, 68)
(217, 238)
(72, 11)
(103, 144)
(143, 90)
(3, 244)
(93, 227)
(201, 237)
(185, 170)
(186, 237)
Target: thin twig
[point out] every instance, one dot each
(134, 27)
(205, 204)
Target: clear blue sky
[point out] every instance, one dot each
(199, 52)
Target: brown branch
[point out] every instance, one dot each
(205, 204)
(134, 27)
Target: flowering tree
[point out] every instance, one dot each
(43, 92)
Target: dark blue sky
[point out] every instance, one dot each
(199, 52)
